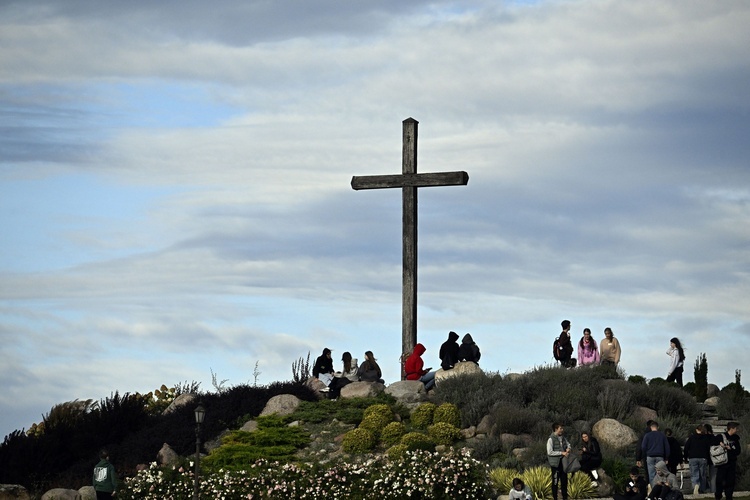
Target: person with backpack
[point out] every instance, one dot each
(562, 348)
(726, 473)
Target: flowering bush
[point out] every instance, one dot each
(421, 475)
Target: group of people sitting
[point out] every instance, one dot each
(368, 371)
(450, 355)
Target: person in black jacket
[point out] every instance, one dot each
(675, 452)
(726, 475)
(564, 347)
(469, 351)
(697, 453)
(449, 352)
(323, 368)
(636, 488)
(591, 455)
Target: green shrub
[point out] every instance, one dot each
(618, 469)
(376, 417)
(473, 394)
(539, 481)
(381, 411)
(448, 413)
(579, 486)
(392, 433)
(667, 399)
(374, 424)
(637, 379)
(396, 451)
(502, 479)
(417, 441)
(423, 415)
(515, 419)
(443, 433)
(358, 441)
(485, 448)
(615, 402)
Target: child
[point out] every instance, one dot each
(519, 491)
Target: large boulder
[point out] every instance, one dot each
(316, 385)
(167, 456)
(361, 390)
(612, 433)
(486, 425)
(179, 402)
(282, 405)
(712, 390)
(61, 494)
(461, 368)
(643, 414)
(407, 392)
(13, 492)
(510, 441)
(712, 402)
(87, 493)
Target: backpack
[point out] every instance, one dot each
(719, 453)
(674, 494)
(556, 348)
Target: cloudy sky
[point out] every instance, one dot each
(175, 191)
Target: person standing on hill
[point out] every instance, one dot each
(449, 352)
(469, 351)
(655, 448)
(609, 349)
(557, 448)
(105, 478)
(677, 358)
(588, 351)
(726, 474)
(563, 348)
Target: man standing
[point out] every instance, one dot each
(563, 347)
(726, 475)
(105, 478)
(655, 449)
(557, 448)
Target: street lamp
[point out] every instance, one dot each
(200, 414)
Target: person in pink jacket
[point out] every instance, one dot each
(588, 351)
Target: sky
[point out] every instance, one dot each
(175, 196)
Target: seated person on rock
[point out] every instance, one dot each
(414, 368)
(636, 488)
(323, 368)
(469, 351)
(449, 352)
(349, 367)
(663, 482)
(519, 491)
(369, 370)
(591, 455)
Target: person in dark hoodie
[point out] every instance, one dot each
(469, 351)
(697, 453)
(105, 478)
(675, 452)
(323, 368)
(414, 368)
(449, 352)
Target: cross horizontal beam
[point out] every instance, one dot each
(459, 178)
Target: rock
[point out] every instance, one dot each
(712, 390)
(167, 456)
(316, 385)
(214, 443)
(612, 433)
(61, 494)
(606, 486)
(408, 392)
(513, 440)
(643, 414)
(361, 390)
(461, 368)
(179, 402)
(250, 426)
(87, 493)
(469, 432)
(519, 453)
(513, 376)
(713, 402)
(283, 404)
(13, 492)
(485, 425)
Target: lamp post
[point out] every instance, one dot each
(200, 414)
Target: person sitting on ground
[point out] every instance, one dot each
(588, 351)
(369, 371)
(414, 368)
(519, 491)
(635, 489)
(323, 367)
(663, 482)
(591, 455)
(449, 352)
(469, 351)
(350, 366)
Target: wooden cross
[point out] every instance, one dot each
(409, 181)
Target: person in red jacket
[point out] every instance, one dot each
(414, 368)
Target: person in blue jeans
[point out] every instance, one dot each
(697, 452)
(655, 447)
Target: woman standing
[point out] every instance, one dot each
(677, 359)
(609, 349)
(588, 351)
